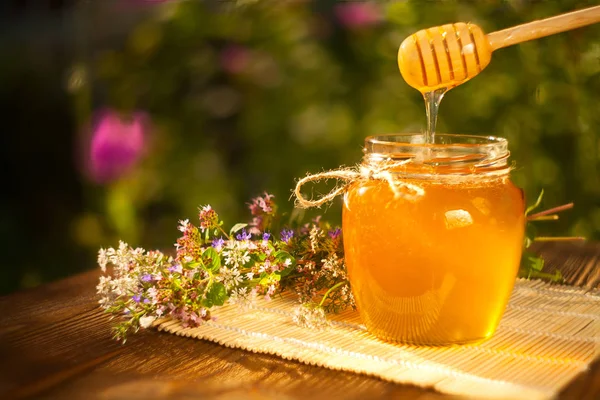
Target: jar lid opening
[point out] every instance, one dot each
(448, 154)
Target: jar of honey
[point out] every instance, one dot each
(437, 268)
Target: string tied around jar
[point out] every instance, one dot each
(382, 171)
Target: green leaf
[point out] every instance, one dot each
(537, 203)
(531, 266)
(530, 234)
(213, 260)
(194, 264)
(536, 263)
(237, 227)
(216, 295)
(282, 255)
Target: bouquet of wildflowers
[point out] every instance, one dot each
(213, 267)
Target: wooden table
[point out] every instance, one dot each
(56, 343)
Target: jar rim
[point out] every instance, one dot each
(453, 154)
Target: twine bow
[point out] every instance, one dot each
(406, 190)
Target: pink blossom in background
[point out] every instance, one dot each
(117, 144)
(359, 14)
(235, 59)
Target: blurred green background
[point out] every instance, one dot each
(161, 106)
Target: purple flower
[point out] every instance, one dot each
(243, 235)
(266, 236)
(175, 268)
(218, 243)
(286, 235)
(334, 234)
(136, 298)
(146, 278)
(117, 144)
(146, 301)
(358, 15)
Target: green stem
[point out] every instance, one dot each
(552, 210)
(224, 233)
(558, 238)
(337, 285)
(553, 217)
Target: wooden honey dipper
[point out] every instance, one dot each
(448, 55)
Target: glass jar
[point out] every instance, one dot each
(438, 268)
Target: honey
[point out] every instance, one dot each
(438, 269)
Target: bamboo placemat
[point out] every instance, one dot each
(547, 336)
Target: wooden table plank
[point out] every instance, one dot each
(55, 343)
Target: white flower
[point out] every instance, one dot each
(102, 259)
(265, 267)
(230, 277)
(183, 224)
(315, 233)
(310, 316)
(333, 266)
(147, 321)
(152, 294)
(238, 296)
(287, 262)
(236, 257)
(250, 275)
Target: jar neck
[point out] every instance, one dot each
(451, 156)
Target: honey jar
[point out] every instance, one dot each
(437, 268)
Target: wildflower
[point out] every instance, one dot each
(117, 144)
(243, 235)
(287, 235)
(183, 225)
(188, 245)
(102, 259)
(152, 295)
(334, 267)
(334, 234)
(266, 236)
(255, 226)
(230, 277)
(310, 316)
(175, 268)
(265, 267)
(315, 234)
(236, 257)
(261, 208)
(217, 244)
(208, 218)
(146, 278)
(242, 297)
(137, 298)
(262, 205)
